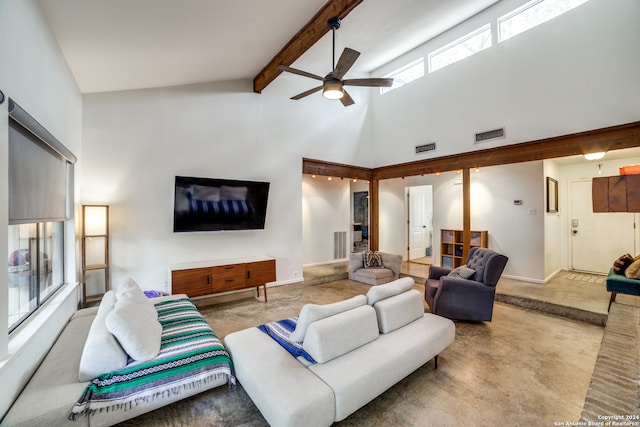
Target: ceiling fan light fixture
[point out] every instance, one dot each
(594, 156)
(333, 90)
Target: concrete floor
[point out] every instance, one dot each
(525, 368)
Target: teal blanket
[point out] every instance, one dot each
(190, 355)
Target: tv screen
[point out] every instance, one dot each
(208, 204)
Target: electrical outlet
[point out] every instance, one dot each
(532, 211)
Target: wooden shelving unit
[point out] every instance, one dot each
(451, 246)
(95, 253)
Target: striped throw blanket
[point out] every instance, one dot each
(280, 331)
(190, 355)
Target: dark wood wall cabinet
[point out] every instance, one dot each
(616, 193)
(223, 276)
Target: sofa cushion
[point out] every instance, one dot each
(101, 353)
(130, 290)
(380, 292)
(284, 390)
(336, 335)
(137, 331)
(375, 273)
(359, 376)
(312, 312)
(399, 310)
(54, 387)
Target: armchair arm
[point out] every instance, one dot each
(392, 262)
(464, 299)
(355, 261)
(437, 272)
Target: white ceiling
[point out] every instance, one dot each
(130, 44)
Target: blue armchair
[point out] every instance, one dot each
(466, 299)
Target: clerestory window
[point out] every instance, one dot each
(464, 47)
(531, 15)
(404, 75)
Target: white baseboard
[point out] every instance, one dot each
(333, 261)
(526, 279)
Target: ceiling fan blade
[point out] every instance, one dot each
(377, 82)
(346, 61)
(299, 72)
(306, 93)
(347, 99)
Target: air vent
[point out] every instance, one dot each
(425, 147)
(489, 135)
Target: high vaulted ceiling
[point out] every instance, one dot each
(131, 44)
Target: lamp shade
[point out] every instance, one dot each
(333, 90)
(96, 220)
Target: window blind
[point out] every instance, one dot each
(39, 167)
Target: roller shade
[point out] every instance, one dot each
(38, 173)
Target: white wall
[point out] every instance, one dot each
(135, 142)
(576, 72)
(36, 76)
(585, 171)
(555, 242)
(326, 209)
(513, 231)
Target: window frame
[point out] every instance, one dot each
(485, 28)
(38, 294)
(394, 74)
(519, 10)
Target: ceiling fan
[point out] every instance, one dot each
(332, 84)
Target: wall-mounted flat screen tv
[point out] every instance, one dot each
(208, 204)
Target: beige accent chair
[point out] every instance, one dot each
(374, 276)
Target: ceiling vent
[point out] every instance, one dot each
(426, 147)
(489, 135)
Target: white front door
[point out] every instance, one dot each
(420, 214)
(597, 239)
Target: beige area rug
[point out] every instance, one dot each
(522, 369)
(583, 277)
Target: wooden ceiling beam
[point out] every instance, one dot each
(322, 168)
(604, 139)
(303, 40)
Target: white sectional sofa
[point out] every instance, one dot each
(361, 346)
(85, 348)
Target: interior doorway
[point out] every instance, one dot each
(420, 224)
(360, 225)
(597, 239)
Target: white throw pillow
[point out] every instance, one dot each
(137, 332)
(102, 352)
(131, 290)
(387, 290)
(312, 312)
